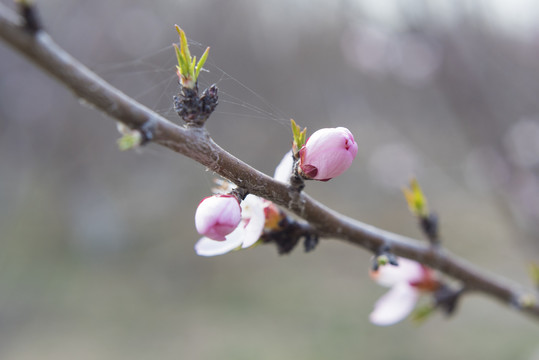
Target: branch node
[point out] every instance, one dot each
(28, 11)
(288, 235)
(310, 242)
(239, 193)
(148, 131)
(297, 184)
(447, 298)
(384, 256)
(429, 226)
(195, 109)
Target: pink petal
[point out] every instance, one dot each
(395, 305)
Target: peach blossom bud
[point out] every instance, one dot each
(217, 216)
(327, 153)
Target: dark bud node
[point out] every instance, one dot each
(447, 298)
(429, 226)
(28, 11)
(195, 110)
(287, 237)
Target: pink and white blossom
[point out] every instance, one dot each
(327, 153)
(217, 216)
(407, 281)
(245, 235)
(257, 214)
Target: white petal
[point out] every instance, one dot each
(254, 208)
(208, 247)
(395, 305)
(283, 171)
(407, 271)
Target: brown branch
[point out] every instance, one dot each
(197, 144)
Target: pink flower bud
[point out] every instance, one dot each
(327, 153)
(217, 216)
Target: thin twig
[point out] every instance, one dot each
(196, 144)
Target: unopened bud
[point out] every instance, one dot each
(327, 154)
(217, 216)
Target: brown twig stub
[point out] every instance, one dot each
(196, 144)
(240, 193)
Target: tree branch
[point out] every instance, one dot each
(197, 144)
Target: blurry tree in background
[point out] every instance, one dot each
(96, 255)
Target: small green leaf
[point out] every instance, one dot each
(534, 274)
(188, 69)
(382, 260)
(181, 61)
(201, 62)
(417, 202)
(178, 55)
(185, 66)
(129, 141)
(295, 128)
(298, 136)
(303, 135)
(422, 313)
(193, 67)
(184, 46)
(178, 29)
(130, 138)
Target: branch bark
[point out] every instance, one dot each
(197, 144)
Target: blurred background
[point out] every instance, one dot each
(96, 245)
